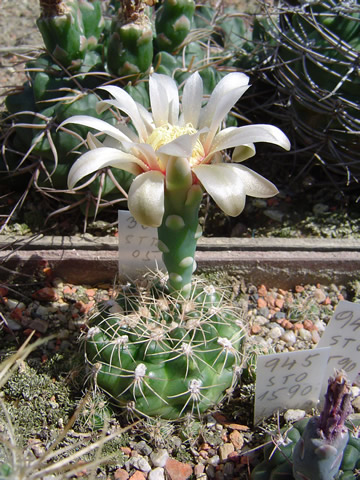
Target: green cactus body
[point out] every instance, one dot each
(130, 49)
(173, 23)
(316, 448)
(166, 357)
(315, 457)
(278, 459)
(63, 33)
(93, 21)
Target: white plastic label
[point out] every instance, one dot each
(342, 335)
(289, 380)
(138, 252)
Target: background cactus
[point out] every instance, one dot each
(306, 64)
(160, 356)
(90, 43)
(320, 447)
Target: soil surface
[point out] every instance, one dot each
(19, 37)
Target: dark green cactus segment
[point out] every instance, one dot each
(130, 47)
(162, 357)
(173, 23)
(93, 21)
(63, 33)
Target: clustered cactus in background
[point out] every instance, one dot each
(322, 447)
(308, 69)
(88, 46)
(302, 59)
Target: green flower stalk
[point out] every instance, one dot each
(176, 156)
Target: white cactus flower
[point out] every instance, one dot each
(191, 131)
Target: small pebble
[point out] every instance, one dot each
(292, 415)
(11, 304)
(319, 295)
(305, 335)
(157, 473)
(275, 333)
(159, 458)
(289, 337)
(225, 450)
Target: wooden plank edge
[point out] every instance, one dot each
(274, 268)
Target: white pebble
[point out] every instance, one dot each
(305, 335)
(315, 336)
(320, 325)
(12, 304)
(275, 333)
(156, 474)
(294, 415)
(289, 337)
(159, 458)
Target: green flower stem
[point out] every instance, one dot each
(180, 230)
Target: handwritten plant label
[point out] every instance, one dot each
(342, 335)
(138, 252)
(289, 380)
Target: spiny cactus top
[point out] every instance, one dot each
(190, 142)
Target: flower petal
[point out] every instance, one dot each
(227, 84)
(164, 99)
(224, 185)
(192, 98)
(124, 102)
(243, 152)
(255, 185)
(223, 107)
(146, 198)
(235, 136)
(98, 158)
(97, 124)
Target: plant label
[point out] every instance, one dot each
(138, 251)
(289, 380)
(342, 335)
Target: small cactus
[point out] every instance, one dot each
(319, 452)
(316, 448)
(160, 356)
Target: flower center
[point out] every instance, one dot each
(167, 133)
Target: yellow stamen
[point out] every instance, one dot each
(167, 133)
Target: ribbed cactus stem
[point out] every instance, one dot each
(130, 49)
(319, 452)
(180, 230)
